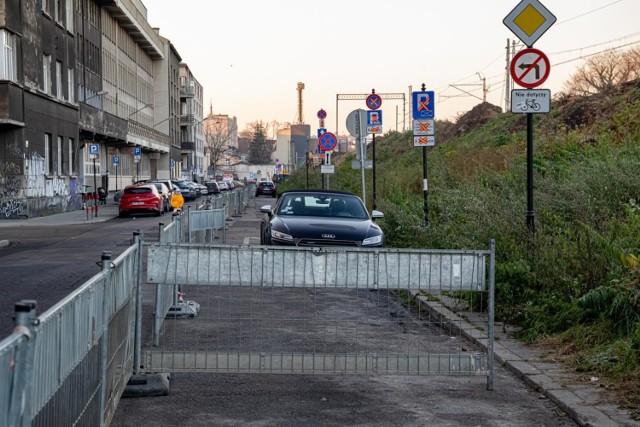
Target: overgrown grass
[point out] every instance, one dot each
(578, 279)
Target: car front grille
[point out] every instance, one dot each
(326, 242)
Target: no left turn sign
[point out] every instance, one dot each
(530, 68)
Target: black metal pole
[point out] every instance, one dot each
(307, 164)
(530, 212)
(95, 188)
(424, 185)
(373, 161)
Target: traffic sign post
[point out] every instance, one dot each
(356, 125)
(374, 126)
(423, 112)
(529, 20)
(116, 163)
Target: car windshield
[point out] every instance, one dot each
(320, 204)
(137, 190)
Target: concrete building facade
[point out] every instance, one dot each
(78, 76)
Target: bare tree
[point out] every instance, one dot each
(218, 135)
(601, 73)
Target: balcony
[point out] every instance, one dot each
(187, 91)
(187, 119)
(186, 145)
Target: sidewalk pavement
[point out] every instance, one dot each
(88, 216)
(583, 397)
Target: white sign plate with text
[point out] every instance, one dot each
(530, 101)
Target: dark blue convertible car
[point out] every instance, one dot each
(320, 218)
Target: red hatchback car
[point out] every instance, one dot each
(141, 198)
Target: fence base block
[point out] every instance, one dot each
(148, 385)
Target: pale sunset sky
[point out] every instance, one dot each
(249, 55)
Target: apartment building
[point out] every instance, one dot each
(90, 98)
(191, 126)
(39, 147)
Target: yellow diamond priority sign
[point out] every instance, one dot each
(529, 21)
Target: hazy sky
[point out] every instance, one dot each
(249, 55)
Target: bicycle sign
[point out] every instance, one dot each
(531, 101)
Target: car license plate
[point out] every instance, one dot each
(137, 203)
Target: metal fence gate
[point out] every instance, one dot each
(267, 309)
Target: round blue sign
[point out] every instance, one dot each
(374, 101)
(322, 114)
(327, 141)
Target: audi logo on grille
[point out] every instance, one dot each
(328, 236)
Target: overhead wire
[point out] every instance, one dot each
(502, 76)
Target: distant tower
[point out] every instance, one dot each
(300, 118)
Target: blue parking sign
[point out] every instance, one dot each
(423, 105)
(137, 151)
(116, 160)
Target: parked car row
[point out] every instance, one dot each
(154, 195)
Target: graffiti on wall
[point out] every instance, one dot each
(11, 207)
(11, 184)
(13, 150)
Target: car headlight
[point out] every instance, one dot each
(372, 240)
(281, 236)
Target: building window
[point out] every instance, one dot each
(71, 156)
(46, 73)
(71, 86)
(61, 163)
(58, 79)
(48, 154)
(8, 62)
(68, 6)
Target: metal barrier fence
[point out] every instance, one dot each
(70, 365)
(166, 296)
(305, 310)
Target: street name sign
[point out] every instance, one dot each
(530, 101)
(529, 20)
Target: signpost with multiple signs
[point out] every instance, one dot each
(529, 68)
(374, 126)
(423, 114)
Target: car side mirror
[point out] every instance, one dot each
(377, 214)
(267, 209)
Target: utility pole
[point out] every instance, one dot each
(507, 86)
